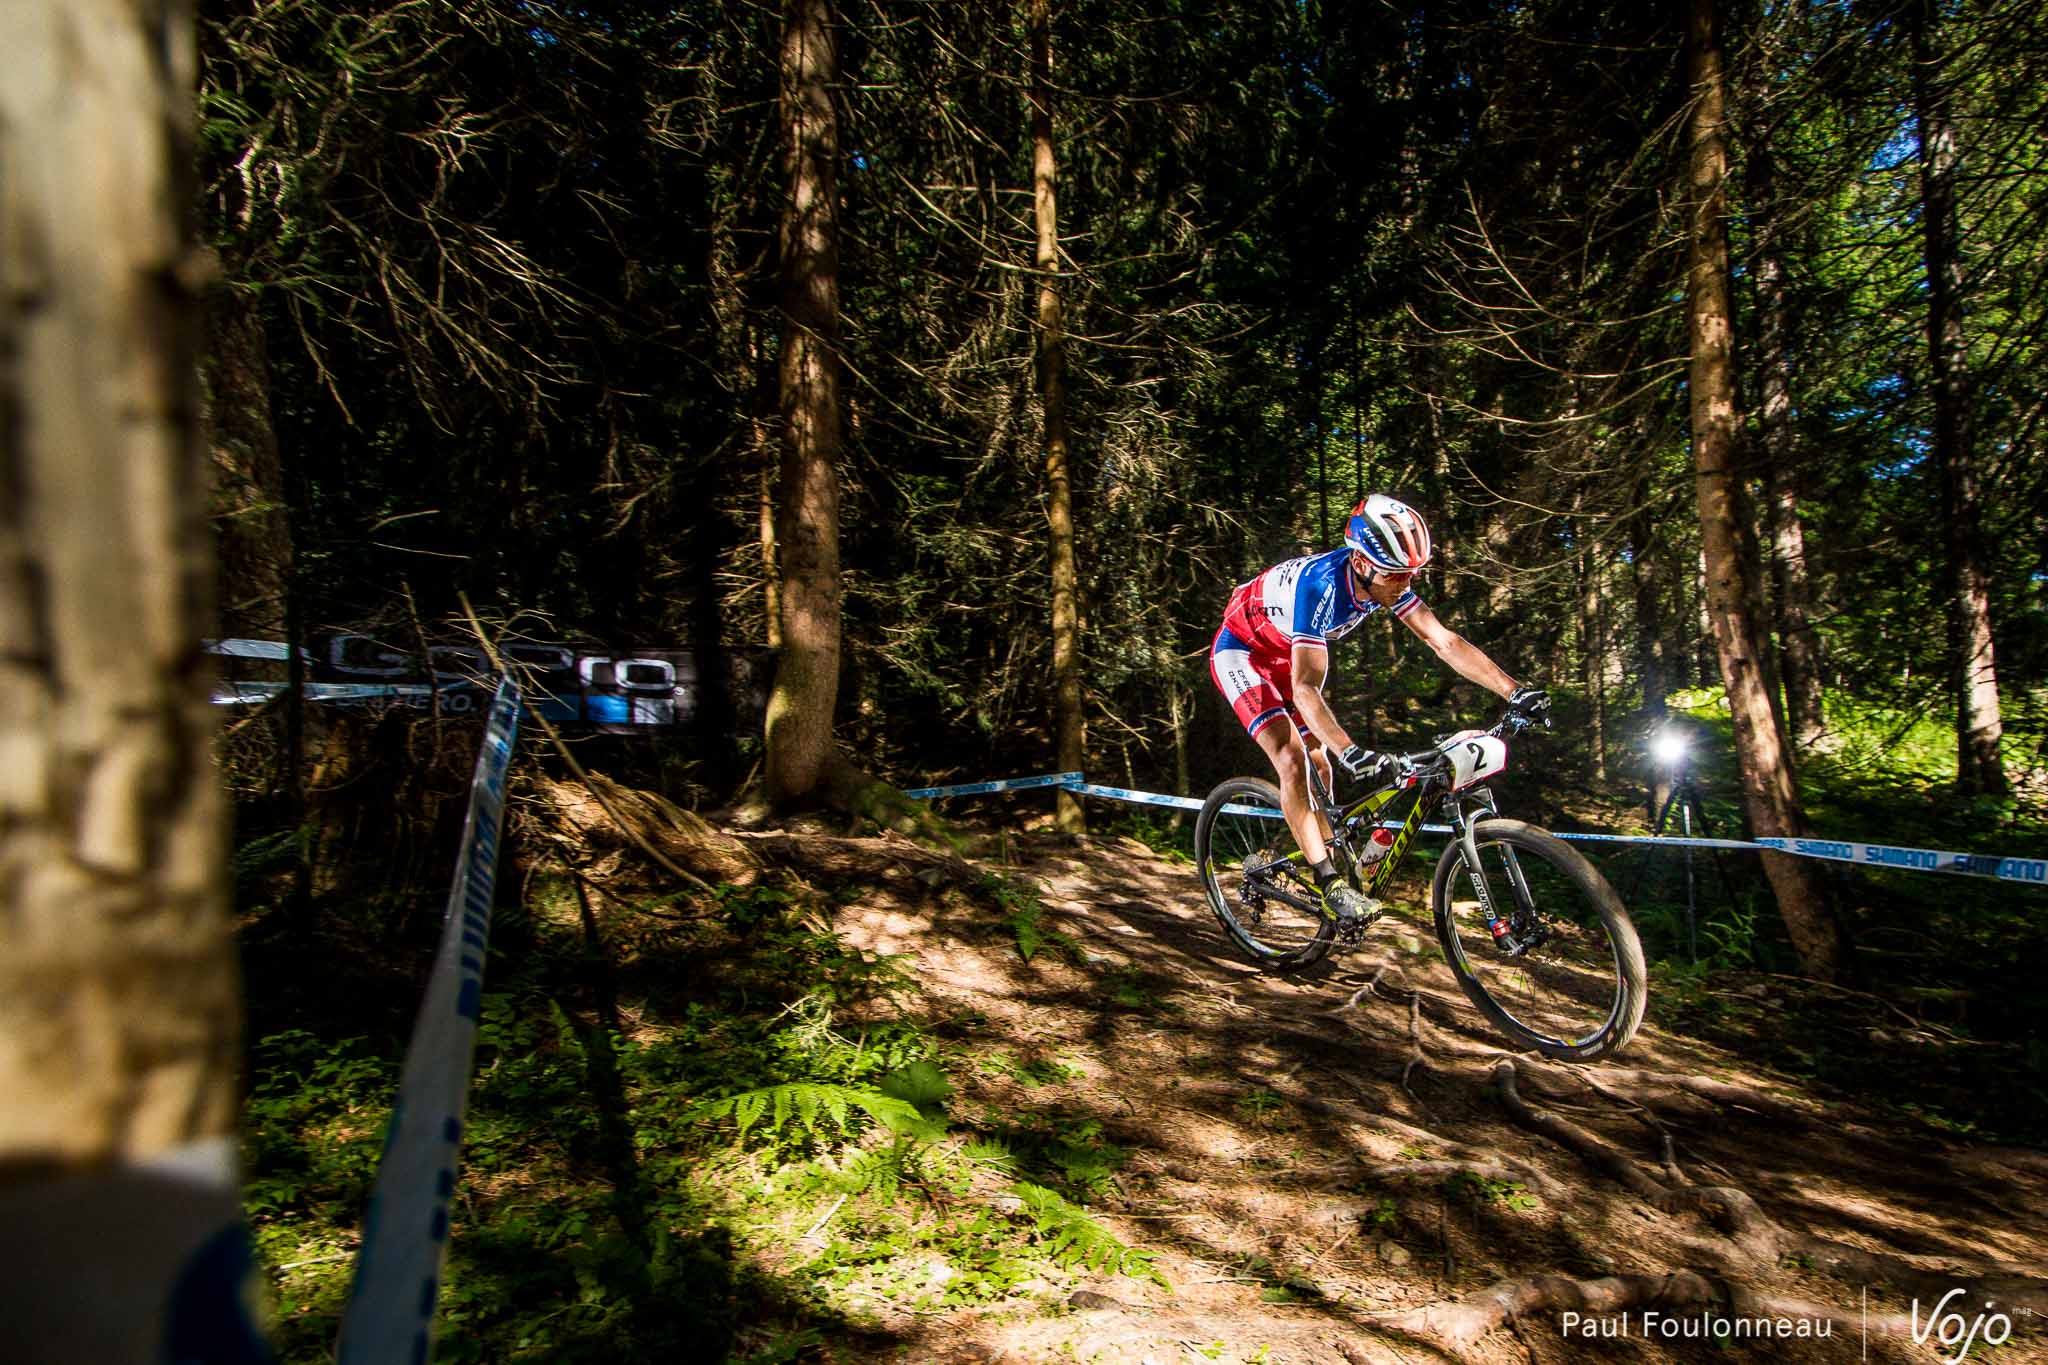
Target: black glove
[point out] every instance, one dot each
(1364, 763)
(1531, 703)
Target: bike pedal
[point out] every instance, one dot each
(1351, 931)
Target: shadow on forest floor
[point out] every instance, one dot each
(1323, 1168)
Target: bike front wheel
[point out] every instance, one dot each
(1568, 979)
(1255, 881)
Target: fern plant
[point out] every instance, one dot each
(1075, 1239)
(805, 1105)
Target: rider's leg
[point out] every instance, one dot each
(1290, 758)
(1320, 756)
(1283, 747)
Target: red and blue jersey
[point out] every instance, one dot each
(1303, 601)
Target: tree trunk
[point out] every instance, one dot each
(1979, 768)
(119, 1004)
(1052, 388)
(1757, 603)
(249, 503)
(1593, 666)
(1767, 788)
(771, 560)
(1653, 664)
(1798, 647)
(799, 723)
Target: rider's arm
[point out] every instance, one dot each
(1311, 663)
(1468, 659)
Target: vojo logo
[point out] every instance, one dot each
(1948, 1329)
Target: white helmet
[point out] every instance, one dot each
(1389, 533)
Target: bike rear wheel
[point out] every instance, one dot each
(1576, 987)
(1264, 898)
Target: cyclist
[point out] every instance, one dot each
(1273, 653)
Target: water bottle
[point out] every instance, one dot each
(1375, 847)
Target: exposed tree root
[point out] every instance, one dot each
(850, 788)
(1753, 1240)
(1650, 1086)
(1461, 1156)
(1460, 1322)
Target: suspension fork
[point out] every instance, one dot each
(1462, 816)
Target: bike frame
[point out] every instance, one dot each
(1350, 824)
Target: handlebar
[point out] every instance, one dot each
(1426, 762)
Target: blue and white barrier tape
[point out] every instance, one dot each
(1007, 784)
(2028, 871)
(390, 1312)
(1153, 798)
(2031, 871)
(1661, 840)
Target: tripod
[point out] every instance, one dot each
(1686, 797)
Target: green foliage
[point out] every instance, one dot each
(314, 1119)
(1063, 1151)
(1172, 837)
(1024, 914)
(1032, 1074)
(806, 1104)
(1075, 1239)
(1261, 1104)
(920, 1085)
(622, 1190)
(1486, 1189)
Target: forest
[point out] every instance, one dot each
(906, 386)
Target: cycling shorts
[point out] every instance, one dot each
(1257, 688)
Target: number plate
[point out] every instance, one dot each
(1474, 755)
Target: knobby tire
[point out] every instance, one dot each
(1577, 997)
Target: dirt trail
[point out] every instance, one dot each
(1348, 1167)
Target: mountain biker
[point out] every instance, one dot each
(1272, 654)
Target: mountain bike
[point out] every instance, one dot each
(1539, 941)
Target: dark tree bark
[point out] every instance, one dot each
(1052, 389)
(249, 502)
(1974, 672)
(799, 723)
(1768, 792)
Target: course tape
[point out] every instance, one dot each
(1268, 813)
(1662, 841)
(2030, 871)
(390, 1312)
(1007, 784)
(2027, 871)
